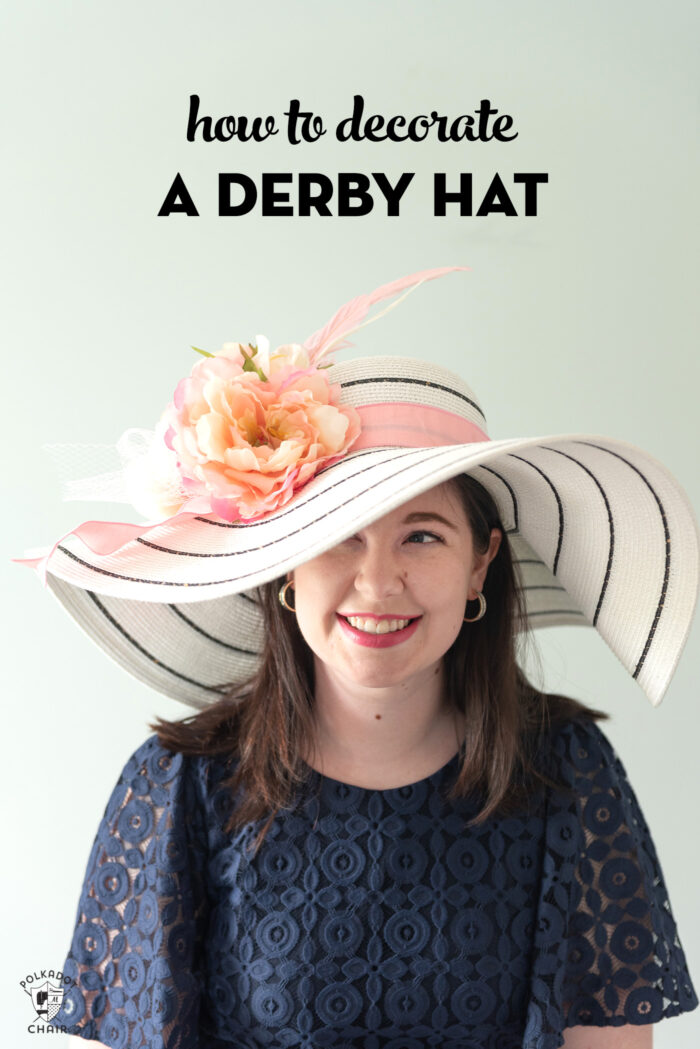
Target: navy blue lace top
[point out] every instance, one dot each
(372, 918)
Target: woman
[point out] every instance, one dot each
(380, 834)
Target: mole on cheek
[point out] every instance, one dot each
(378, 717)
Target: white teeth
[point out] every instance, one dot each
(377, 626)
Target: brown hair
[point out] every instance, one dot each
(267, 723)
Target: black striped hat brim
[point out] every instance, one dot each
(603, 534)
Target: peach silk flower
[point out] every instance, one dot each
(249, 443)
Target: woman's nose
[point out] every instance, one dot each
(379, 573)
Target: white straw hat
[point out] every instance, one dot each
(602, 534)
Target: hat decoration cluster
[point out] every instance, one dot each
(249, 426)
(245, 430)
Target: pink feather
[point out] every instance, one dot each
(352, 313)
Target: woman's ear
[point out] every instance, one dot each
(482, 561)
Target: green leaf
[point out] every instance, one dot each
(249, 364)
(204, 353)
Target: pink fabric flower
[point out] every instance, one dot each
(249, 443)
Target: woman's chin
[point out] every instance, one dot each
(395, 672)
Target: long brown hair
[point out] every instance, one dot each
(266, 724)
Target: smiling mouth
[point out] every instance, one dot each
(378, 626)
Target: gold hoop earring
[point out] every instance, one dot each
(482, 608)
(283, 596)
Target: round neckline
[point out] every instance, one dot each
(437, 774)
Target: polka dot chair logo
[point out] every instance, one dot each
(46, 989)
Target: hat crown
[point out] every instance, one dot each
(404, 380)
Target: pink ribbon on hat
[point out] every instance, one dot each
(397, 424)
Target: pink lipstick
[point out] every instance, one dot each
(395, 637)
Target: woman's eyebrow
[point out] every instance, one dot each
(427, 516)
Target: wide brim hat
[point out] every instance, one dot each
(601, 534)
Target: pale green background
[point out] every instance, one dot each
(582, 319)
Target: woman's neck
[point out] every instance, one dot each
(383, 737)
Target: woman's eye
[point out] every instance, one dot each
(423, 538)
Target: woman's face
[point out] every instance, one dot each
(387, 603)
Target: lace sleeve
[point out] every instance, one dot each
(134, 960)
(622, 961)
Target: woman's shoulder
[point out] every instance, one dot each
(573, 735)
(150, 766)
(150, 756)
(587, 766)
(159, 763)
(576, 750)
(157, 777)
(163, 806)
